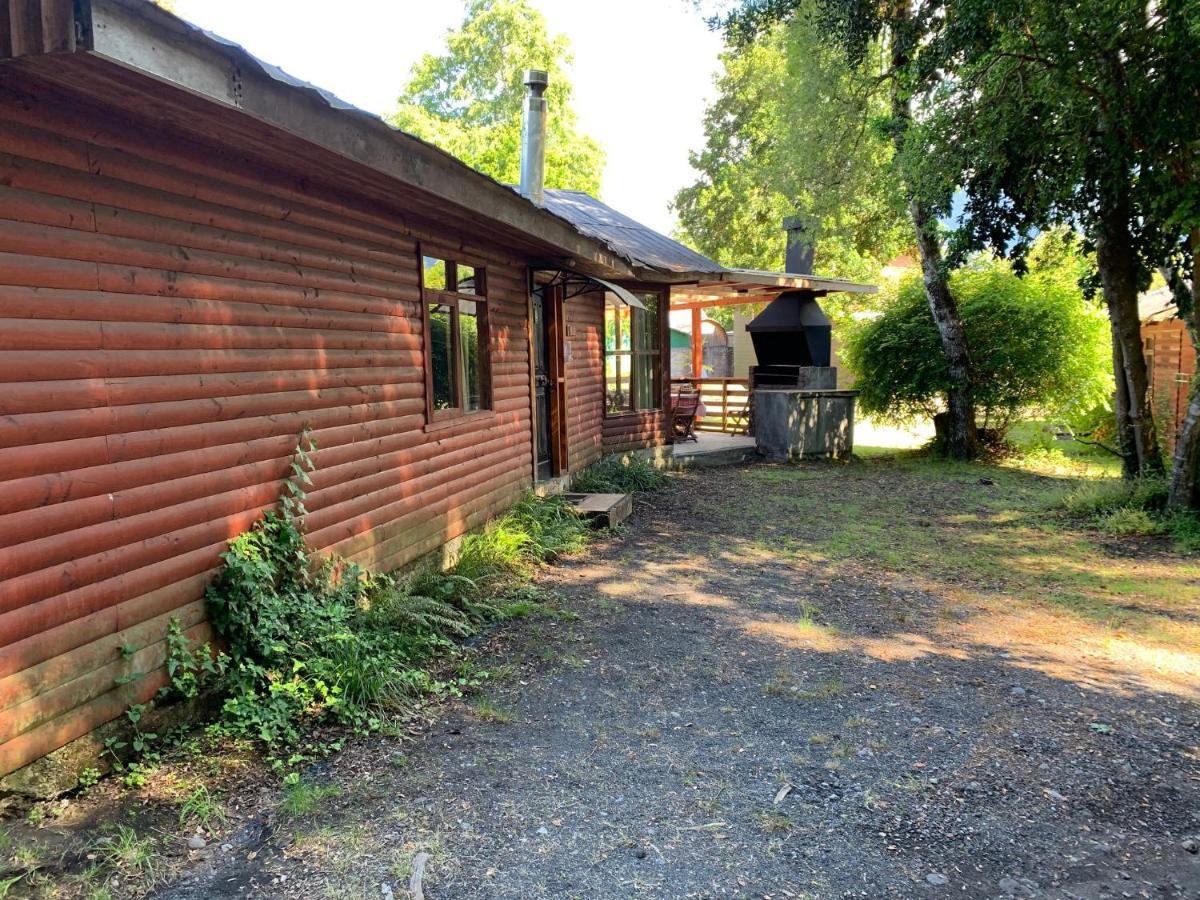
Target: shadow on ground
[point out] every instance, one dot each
(808, 682)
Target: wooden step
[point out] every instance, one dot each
(602, 510)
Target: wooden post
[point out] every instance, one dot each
(697, 344)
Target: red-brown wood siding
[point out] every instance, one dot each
(171, 316)
(585, 378)
(1172, 361)
(590, 432)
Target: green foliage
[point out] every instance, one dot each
(1127, 520)
(301, 797)
(325, 641)
(202, 809)
(617, 474)
(191, 670)
(1035, 344)
(125, 854)
(1136, 506)
(795, 131)
(468, 100)
(1103, 496)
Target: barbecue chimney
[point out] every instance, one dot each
(798, 258)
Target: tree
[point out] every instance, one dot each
(903, 29)
(794, 132)
(469, 99)
(1037, 344)
(1082, 114)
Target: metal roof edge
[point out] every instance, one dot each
(140, 36)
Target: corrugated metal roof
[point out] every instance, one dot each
(642, 246)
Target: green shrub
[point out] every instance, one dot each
(1035, 344)
(1127, 520)
(326, 641)
(1184, 527)
(1105, 495)
(619, 474)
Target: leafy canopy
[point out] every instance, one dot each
(795, 131)
(1054, 111)
(1036, 343)
(468, 100)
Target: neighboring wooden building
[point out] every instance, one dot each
(1170, 357)
(199, 257)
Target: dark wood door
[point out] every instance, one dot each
(543, 386)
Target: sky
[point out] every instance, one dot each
(643, 71)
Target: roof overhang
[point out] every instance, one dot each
(117, 43)
(737, 286)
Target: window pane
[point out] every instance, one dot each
(441, 356)
(435, 273)
(467, 279)
(616, 383)
(648, 381)
(645, 326)
(616, 324)
(469, 337)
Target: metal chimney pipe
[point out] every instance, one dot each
(798, 258)
(533, 137)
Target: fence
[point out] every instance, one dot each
(726, 403)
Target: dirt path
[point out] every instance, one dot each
(753, 692)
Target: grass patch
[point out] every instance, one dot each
(619, 474)
(127, 855)
(202, 809)
(301, 797)
(487, 711)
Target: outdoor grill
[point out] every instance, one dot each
(792, 339)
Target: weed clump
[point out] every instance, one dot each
(620, 475)
(1134, 507)
(326, 641)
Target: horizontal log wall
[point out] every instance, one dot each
(584, 316)
(171, 316)
(634, 431)
(1172, 360)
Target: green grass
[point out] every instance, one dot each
(619, 474)
(202, 809)
(980, 531)
(127, 855)
(487, 711)
(301, 798)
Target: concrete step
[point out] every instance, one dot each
(602, 510)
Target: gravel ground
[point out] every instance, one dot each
(706, 717)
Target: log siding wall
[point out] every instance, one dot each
(1172, 361)
(584, 317)
(591, 432)
(170, 318)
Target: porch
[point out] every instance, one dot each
(714, 448)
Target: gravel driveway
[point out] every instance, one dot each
(720, 710)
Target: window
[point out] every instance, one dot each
(632, 374)
(456, 358)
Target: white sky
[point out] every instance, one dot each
(643, 70)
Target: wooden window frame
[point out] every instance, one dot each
(451, 298)
(664, 377)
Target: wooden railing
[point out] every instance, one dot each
(726, 403)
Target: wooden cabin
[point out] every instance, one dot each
(1170, 359)
(201, 256)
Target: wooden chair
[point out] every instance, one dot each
(683, 414)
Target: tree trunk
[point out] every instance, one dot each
(962, 434)
(1118, 266)
(1184, 489)
(1129, 468)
